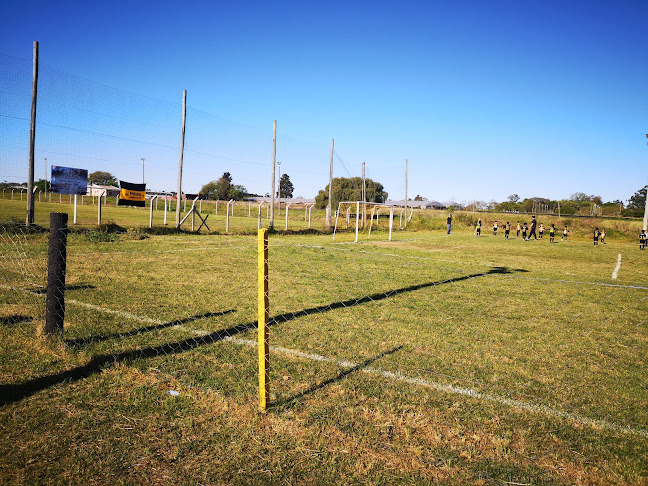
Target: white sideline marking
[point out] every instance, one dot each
(397, 376)
(602, 284)
(616, 269)
(456, 390)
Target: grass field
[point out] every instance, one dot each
(431, 358)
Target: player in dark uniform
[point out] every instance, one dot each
(552, 233)
(596, 236)
(642, 240)
(507, 230)
(533, 229)
(525, 228)
(478, 228)
(495, 227)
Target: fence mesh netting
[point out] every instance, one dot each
(369, 316)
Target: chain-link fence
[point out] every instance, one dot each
(374, 314)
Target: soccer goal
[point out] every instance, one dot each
(380, 218)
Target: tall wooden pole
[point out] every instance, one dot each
(32, 141)
(364, 198)
(406, 193)
(645, 220)
(182, 139)
(330, 194)
(274, 162)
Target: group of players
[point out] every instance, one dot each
(530, 232)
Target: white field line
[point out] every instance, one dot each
(616, 269)
(397, 376)
(602, 284)
(455, 390)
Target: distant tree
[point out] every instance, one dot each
(420, 198)
(350, 189)
(285, 186)
(637, 203)
(223, 189)
(579, 197)
(103, 178)
(514, 198)
(238, 192)
(42, 184)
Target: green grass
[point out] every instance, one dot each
(551, 348)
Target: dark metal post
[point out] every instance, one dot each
(56, 258)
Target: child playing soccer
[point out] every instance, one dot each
(565, 233)
(541, 231)
(518, 230)
(642, 239)
(525, 228)
(478, 228)
(596, 236)
(495, 227)
(552, 233)
(603, 236)
(507, 230)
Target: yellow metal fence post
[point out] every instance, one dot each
(264, 317)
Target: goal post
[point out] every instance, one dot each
(381, 218)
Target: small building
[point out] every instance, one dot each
(417, 204)
(99, 190)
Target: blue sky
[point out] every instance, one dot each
(484, 99)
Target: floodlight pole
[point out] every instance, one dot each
(274, 162)
(32, 141)
(143, 159)
(182, 139)
(645, 220)
(279, 188)
(405, 193)
(330, 194)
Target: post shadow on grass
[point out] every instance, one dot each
(286, 402)
(178, 322)
(43, 290)
(13, 393)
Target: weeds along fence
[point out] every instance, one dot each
(346, 320)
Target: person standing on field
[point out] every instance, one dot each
(552, 233)
(642, 240)
(565, 233)
(507, 230)
(525, 228)
(541, 231)
(495, 227)
(518, 230)
(449, 222)
(478, 228)
(603, 236)
(533, 228)
(596, 236)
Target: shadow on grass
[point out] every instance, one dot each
(43, 290)
(13, 393)
(134, 332)
(14, 319)
(286, 402)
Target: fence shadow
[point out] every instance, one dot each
(134, 332)
(15, 392)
